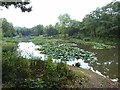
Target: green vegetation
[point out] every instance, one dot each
(71, 42)
(98, 29)
(102, 46)
(20, 72)
(8, 29)
(101, 25)
(60, 49)
(94, 44)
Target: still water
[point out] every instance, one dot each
(107, 61)
(29, 50)
(106, 64)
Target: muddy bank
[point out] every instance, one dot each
(95, 80)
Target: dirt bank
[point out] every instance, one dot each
(95, 80)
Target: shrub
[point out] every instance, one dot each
(32, 83)
(13, 67)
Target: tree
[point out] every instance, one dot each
(23, 31)
(74, 27)
(89, 25)
(102, 22)
(51, 30)
(38, 30)
(17, 4)
(64, 22)
(8, 29)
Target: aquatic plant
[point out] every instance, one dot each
(66, 52)
(102, 46)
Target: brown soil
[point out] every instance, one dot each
(94, 80)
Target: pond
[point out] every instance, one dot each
(106, 64)
(29, 50)
(107, 61)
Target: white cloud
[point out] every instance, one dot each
(47, 11)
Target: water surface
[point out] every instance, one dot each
(106, 63)
(107, 60)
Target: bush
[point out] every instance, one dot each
(13, 67)
(32, 83)
(20, 72)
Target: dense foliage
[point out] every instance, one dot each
(34, 73)
(103, 22)
(51, 30)
(66, 51)
(19, 72)
(22, 31)
(100, 23)
(8, 29)
(17, 4)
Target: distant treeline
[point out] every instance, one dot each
(102, 22)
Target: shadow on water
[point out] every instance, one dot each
(107, 62)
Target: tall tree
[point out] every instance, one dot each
(51, 30)
(38, 30)
(8, 29)
(64, 22)
(103, 22)
(74, 27)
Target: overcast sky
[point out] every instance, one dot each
(46, 12)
